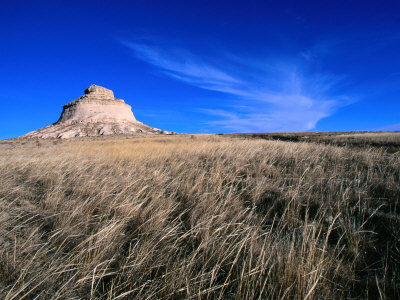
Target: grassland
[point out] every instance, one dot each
(199, 217)
(388, 141)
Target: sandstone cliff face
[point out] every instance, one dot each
(95, 113)
(98, 104)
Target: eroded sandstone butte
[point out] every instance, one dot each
(95, 113)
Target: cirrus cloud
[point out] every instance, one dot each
(264, 94)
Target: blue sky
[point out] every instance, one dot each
(205, 66)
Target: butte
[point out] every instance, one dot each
(95, 113)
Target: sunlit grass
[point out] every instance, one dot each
(198, 217)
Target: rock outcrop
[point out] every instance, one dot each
(95, 113)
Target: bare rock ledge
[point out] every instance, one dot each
(95, 113)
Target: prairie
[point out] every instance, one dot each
(200, 217)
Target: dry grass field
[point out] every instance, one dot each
(199, 217)
(389, 141)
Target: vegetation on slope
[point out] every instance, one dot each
(205, 217)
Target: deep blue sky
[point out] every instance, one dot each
(205, 66)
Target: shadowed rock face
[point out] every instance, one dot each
(95, 113)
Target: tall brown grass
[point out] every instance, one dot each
(385, 140)
(205, 217)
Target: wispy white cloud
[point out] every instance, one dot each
(183, 66)
(264, 96)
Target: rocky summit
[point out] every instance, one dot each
(95, 113)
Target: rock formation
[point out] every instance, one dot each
(95, 113)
